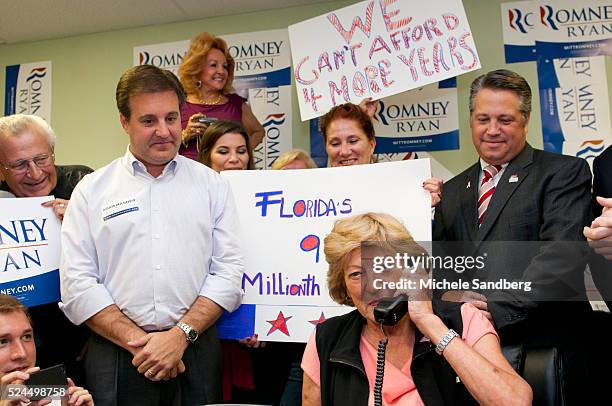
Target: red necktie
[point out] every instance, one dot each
(487, 188)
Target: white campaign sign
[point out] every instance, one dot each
(570, 28)
(576, 112)
(377, 49)
(29, 250)
(28, 89)
(272, 107)
(518, 23)
(285, 216)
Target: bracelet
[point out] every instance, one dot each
(446, 339)
(183, 138)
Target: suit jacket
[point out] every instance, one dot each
(601, 268)
(541, 197)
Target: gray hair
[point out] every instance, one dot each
(503, 79)
(17, 124)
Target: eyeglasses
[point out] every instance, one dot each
(20, 167)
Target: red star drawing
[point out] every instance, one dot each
(320, 320)
(279, 324)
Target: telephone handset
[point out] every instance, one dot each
(390, 310)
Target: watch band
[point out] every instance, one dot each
(190, 332)
(446, 339)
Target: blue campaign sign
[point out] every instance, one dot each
(29, 251)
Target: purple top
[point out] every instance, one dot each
(232, 110)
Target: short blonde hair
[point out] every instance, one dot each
(293, 155)
(348, 234)
(193, 62)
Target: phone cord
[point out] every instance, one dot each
(380, 368)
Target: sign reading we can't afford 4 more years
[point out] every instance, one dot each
(376, 49)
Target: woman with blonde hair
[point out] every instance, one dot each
(429, 360)
(207, 73)
(294, 159)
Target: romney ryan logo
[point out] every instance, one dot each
(590, 149)
(518, 21)
(37, 73)
(171, 60)
(585, 21)
(274, 119)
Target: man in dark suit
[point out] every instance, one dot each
(523, 211)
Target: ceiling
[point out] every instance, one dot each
(35, 20)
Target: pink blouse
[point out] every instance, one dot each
(398, 387)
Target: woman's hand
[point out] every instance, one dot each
(368, 106)
(194, 128)
(434, 187)
(252, 342)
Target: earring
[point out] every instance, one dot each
(199, 84)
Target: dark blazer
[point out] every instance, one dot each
(541, 197)
(601, 268)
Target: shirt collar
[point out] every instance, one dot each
(134, 166)
(484, 164)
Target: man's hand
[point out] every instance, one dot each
(599, 234)
(467, 296)
(14, 378)
(160, 355)
(78, 396)
(434, 187)
(59, 207)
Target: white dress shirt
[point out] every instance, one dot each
(150, 245)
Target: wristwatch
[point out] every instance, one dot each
(191, 333)
(446, 339)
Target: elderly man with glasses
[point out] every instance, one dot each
(27, 162)
(27, 168)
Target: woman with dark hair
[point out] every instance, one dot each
(225, 146)
(207, 73)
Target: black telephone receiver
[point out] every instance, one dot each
(390, 310)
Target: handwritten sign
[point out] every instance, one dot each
(29, 251)
(285, 216)
(376, 49)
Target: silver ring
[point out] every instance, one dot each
(61, 205)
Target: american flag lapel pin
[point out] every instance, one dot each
(513, 179)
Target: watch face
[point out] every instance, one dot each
(192, 335)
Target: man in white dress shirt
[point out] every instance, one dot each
(150, 258)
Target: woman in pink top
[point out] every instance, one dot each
(340, 359)
(207, 73)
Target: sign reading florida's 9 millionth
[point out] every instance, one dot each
(377, 49)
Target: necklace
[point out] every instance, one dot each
(214, 102)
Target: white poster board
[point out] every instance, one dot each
(285, 216)
(29, 250)
(378, 49)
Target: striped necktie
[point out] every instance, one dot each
(487, 188)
